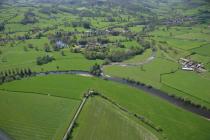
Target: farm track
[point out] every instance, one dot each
(71, 126)
(152, 91)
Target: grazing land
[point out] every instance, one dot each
(160, 45)
(34, 116)
(115, 122)
(161, 113)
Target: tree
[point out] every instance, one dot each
(39, 35)
(21, 73)
(96, 70)
(86, 25)
(25, 72)
(30, 46)
(36, 48)
(29, 72)
(62, 53)
(2, 26)
(47, 47)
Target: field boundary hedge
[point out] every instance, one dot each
(139, 117)
(32, 92)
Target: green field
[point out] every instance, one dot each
(138, 40)
(27, 116)
(12, 58)
(102, 120)
(160, 112)
(191, 83)
(181, 43)
(149, 73)
(140, 58)
(204, 50)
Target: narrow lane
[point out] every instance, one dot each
(71, 126)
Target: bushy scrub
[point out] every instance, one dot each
(44, 60)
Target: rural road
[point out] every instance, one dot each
(71, 126)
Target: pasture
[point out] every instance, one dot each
(140, 58)
(160, 112)
(16, 57)
(148, 73)
(203, 50)
(180, 43)
(27, 116)
(101, 120)
(197, 86)
(43, 36)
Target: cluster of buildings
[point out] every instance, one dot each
(189, 65)
(178, 20)
(105, 32)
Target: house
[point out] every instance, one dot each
(187, 69)
(60, 44)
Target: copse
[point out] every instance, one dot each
(29, 18)
(44, 60)
(121, 55)
(96, 70)
(86, 25)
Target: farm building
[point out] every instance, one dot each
(190, 65)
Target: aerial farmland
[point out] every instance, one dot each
(104, 70)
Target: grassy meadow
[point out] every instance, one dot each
(102, 120)
(47, 35)
(27, 116)
(160, 112)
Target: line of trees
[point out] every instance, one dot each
(85, 24)
(14, 74)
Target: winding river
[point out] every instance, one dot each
(152, 91)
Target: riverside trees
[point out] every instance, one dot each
(14, 74)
